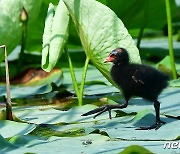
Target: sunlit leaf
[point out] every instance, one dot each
(100, 31)
(21, 140)
(99, 89)
(124, 127)
(175, 83)
(53, 116)
(93, 143)
(72, 126)
(5, 145)
(47, 33)
(11, 128)
(51, 145)
(95, 84)
(169, 100)
(25, 91)
(92, 75)
(59, 34)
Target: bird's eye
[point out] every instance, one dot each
(112, 55)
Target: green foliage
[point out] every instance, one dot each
(68, 123)
(60, 126)
(92, 143)
(18, 128)
(97, 41)
(19, 91)
(55, 35)
(100, 31)
(100, 39)
(37, 85)
(6, 145)
(175, 83)
(95, 84)
(170, 39)
(135, 12)
(10, 25)
(52, 116)
(135, 149)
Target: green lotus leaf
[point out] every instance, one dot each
(100, 31)
(53, 116)
(135, 149)
(5, 145)
(53, 44)
(11, 128)
(93, 143)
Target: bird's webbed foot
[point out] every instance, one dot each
(99, 111)
(156, 126)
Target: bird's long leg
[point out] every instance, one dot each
(105, 108)
(157, 108)
(158, 123)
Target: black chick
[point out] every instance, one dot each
(134, 80)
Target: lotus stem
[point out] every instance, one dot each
(83, 81)
(170, 40)
(73, 77)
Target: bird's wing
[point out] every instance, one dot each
(137, 77)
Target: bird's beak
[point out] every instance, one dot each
(109, 59)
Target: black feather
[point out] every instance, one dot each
(134, 80)
(139, 80)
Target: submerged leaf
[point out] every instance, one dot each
(100, 31)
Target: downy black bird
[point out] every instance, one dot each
(134, 80)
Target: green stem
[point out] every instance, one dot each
(170, 40)
(23, 43)
(79, 92)
(75, 85)
(140, 37)
(83, 81)
(143, 25)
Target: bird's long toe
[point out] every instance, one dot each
(106, 108)
(146, 127)
(93, 111)
(162, 122)
(156, 126)
(99, 111)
